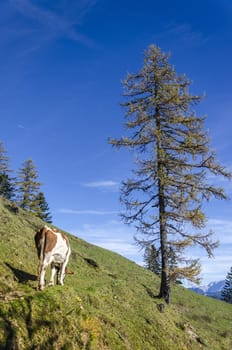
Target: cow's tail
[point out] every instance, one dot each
(42, 247)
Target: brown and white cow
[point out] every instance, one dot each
(53, 249)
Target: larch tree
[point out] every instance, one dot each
(6, 181)
(170, 179)
(28, 186)
(227, 290)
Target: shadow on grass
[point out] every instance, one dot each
(10, 334)
(151, 293)
(13, 208)
(22, 276)
(91, 262)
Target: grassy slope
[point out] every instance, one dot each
(108, 306)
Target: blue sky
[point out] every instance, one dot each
(61, 67)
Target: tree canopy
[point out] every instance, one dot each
(24, 189)
(28, 185)
(42, 208)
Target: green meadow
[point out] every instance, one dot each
(108, 302)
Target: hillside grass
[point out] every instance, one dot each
(107, 303)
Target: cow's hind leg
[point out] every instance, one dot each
(62, 273)
(43, 269)
(53, 272)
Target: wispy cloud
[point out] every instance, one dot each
(49, 24)
(105, 184)
(86, 212)
(185, 32)
(20, 126)
(222, 230)
(219, 180)
(182, 32)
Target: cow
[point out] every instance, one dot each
(53, 249)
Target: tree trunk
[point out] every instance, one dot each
(164, 286)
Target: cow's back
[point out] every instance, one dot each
(51, 242)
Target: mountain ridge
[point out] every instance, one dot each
(213, 289)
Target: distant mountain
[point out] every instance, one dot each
(213, 289)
